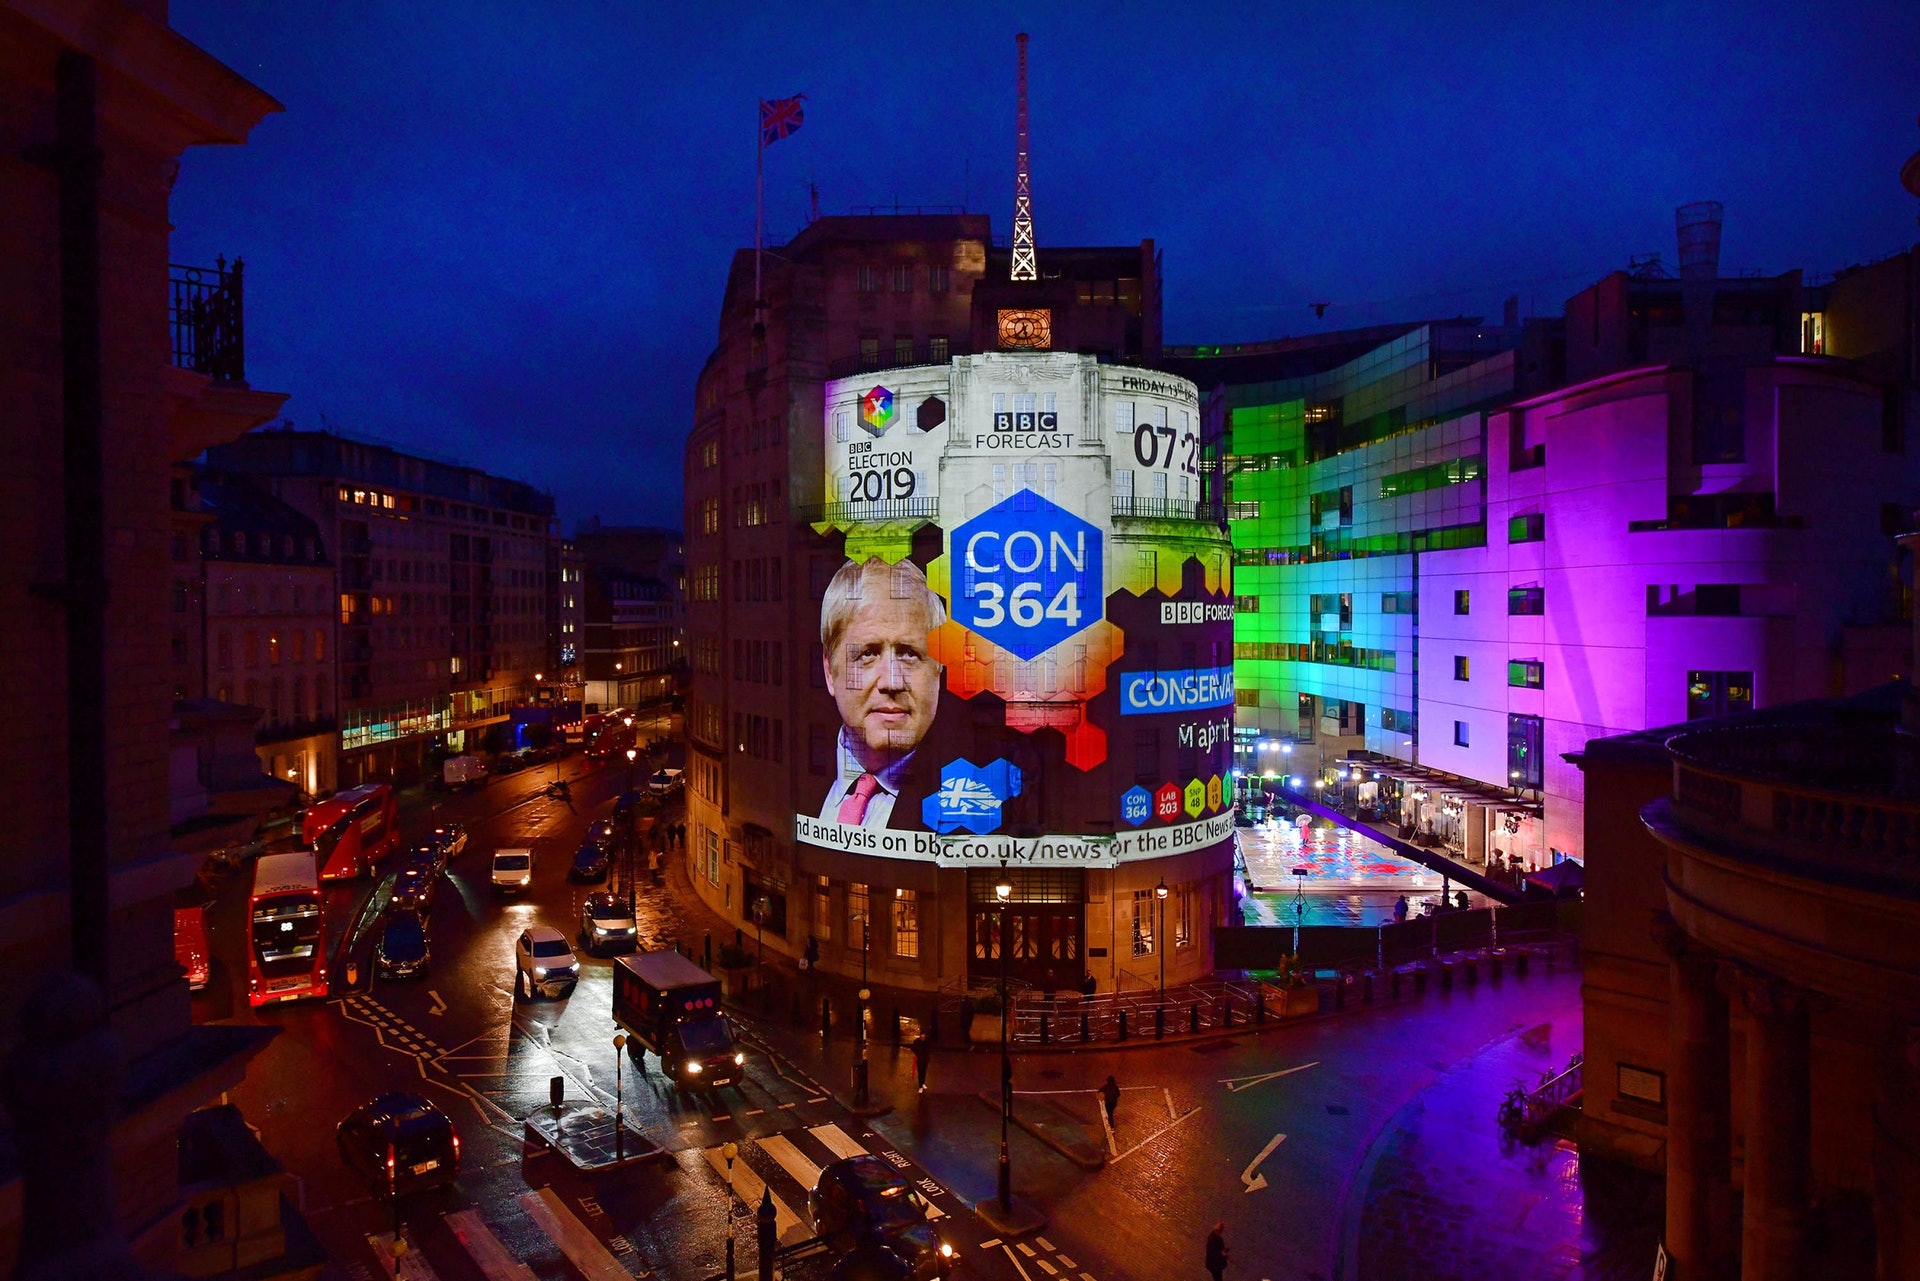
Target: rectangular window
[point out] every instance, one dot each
(870, 350)
(903, 278)
(1530, 528)
(937, 349)
(1183, 918)
(1526, 673)
(822, 908)
(1460, 734)
(1525, 750)
(1143, 904)
(867, 278)
(906, 924)
(903, 351)
(938, 279)
(712, 842)
(1462, 670)
(1527, 600)
(1460, 601)
(859, 929)
(1718, 693)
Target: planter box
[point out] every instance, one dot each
(1292, 1002)
(736, 981)
(985, 1029)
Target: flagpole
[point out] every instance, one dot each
(759, 210)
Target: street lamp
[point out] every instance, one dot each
(730, 1151)
(619, 1110)
(633, 754)
(1160, 938)
(860, 1059)
(1003, 892)
(760, 940)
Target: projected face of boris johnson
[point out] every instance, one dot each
(874, 625)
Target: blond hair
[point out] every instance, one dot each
(856, 578)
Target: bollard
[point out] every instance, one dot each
(1419, 980)
(706, 950)
(1340, 992)
(1446, 976)
(557, 1091)
(1083, 1027)
(1043, 1027)
(1193, 1017)
(1366, 988)
(769, 1243)
(1471, 966)
(1496, 960)
(1123, 1025)
(860, 1080)
(1226, 1010)
(826, 1017)
(1159, 1022)
(1260, 1004)
(1520, 964)
(896, 1027)
(1393, 984)
(353, 974)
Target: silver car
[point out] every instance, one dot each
(543, 963)
(606, 924)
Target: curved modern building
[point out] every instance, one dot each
(958, 617)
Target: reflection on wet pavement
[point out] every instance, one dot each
(1349, 879)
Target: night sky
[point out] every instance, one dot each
(498, 234)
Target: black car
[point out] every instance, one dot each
(431, 859)
(863, 1204)
(402, 952)
(400, 1143)
(412, 889)
(589, 863)
(450, 839)
(600, 832)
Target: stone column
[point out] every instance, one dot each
(1699, 1141)
(1779, 1118)
(1896, 1159)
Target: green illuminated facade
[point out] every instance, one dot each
(1338, 481)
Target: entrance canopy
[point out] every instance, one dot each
(1441, 785)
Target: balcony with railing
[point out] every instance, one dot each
(1162, 508)
(896, 356)
(898, 509)
(206, 311)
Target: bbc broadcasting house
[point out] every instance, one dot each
(1008, 448)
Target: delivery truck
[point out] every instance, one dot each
(671, 1006)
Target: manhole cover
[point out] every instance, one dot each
(1336, 1109)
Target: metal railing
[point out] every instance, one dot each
(205, 309)
(1169, 508)
(897, 509)
(1039, 1018)
(1551, 1095)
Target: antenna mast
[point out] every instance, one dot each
(1025, 267)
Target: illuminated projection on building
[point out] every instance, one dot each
(1048, 681)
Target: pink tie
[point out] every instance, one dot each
(854, 808)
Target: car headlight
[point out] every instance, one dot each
(693, 1066)
(946, 1250)
(599, 929)
(539, 971)
(739, 1059)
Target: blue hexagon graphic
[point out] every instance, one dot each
(970, 796)
(1136, 805)
(1028, 574)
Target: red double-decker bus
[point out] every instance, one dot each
(286, 930)
(352, 831)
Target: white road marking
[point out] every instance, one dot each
(990, 1245)
(575, 1239)
(1151, 1137)
(748, 1187)
(790, 1159)
(1015, 1260)
(1025, 1248)
(1044, 1244)
(439, 1005)
(837, 1141)
(1254, 1181)
(1238, 1083)
(1047, 1268)
(485, 1248)
(1067, 1263)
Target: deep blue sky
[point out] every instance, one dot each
(499, 233)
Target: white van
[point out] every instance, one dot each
(464, 771)
(512, 871)
(664, 781)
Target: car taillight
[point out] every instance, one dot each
(456, 1149)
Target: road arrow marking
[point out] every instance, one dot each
(1239, 1083)
(439, 1006)
(1254, 1181)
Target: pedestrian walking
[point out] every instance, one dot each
(1110, 1098)
(922, 1055)
(1400, 908)
(1217, 1250)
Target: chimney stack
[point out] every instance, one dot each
(1699, 228)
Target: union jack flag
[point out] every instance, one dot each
(779, 118)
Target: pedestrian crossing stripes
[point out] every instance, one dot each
(789, 1164)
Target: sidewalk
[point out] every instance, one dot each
(1444, 1195)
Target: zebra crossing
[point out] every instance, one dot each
(788, 1164)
